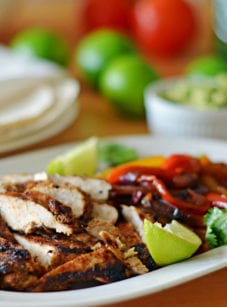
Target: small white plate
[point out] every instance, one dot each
(135, 287)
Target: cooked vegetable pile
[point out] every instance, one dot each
(189, 189)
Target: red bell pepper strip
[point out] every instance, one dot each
(156, 183)
(175, 164)
(114, 176)
(182, 163)
(217, 200)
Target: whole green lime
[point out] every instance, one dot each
(97, 49)
(41, 43)
(207, 65)
(123, 83)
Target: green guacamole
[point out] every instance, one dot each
(210, 93)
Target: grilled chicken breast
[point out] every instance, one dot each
(57, 233)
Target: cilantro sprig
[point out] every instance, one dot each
(216, 222)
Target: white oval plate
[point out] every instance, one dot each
(135, 287)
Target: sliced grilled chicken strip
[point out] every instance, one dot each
(136, 217)
(105, 212)
(25, 215)
(61, 212)
(43, 252)
(22, 178)
(129, 234)
(118, 243)
(95, 226)
(133, 240)
(5, 232)
(97, 189)
(51, 252)
(128, 256)
(126, 234)
(101, 265)
(17, 269)
(66, 194)
(16, 178)
(19, 182)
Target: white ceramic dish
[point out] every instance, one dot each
(137, 286)
(174, 119)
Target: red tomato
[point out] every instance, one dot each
(106, 14)
(163, 27)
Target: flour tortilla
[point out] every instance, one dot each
(30, 111)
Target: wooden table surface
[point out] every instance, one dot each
(96, 117)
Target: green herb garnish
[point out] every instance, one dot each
(216, 222)
(114, 154)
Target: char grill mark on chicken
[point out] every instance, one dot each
(62, 213)
(122, 242)
(5, 232)
(26, 215)
(51, 251)
(18, 271)
(134, 241)
(121, 251)
(100, 265)
(70, 196)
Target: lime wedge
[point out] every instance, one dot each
(81, 160)
(171, 243)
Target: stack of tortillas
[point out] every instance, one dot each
(37, 100)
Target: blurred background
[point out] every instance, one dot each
(115, 49)
(67, 18)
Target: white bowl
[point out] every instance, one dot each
(168, 118)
